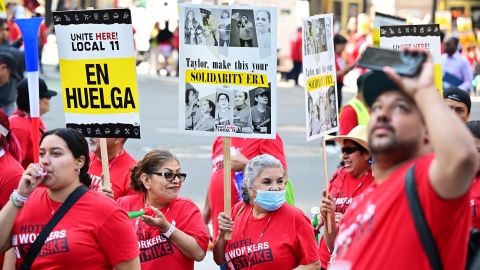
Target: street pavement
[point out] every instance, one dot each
(159, 116)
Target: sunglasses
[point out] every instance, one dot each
(170, 176)
(349, 150)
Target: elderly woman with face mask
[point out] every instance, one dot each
(348, 182)
(266, 232)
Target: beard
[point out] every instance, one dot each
(392, 146)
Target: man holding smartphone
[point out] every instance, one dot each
(407, 121)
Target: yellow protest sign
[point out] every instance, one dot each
(106, 87)
(226, 77)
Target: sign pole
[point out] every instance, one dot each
(227, 189)
(105, 168)
(325, 177)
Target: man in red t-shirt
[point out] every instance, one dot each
(119, 164)
(407, 121)
(20, 120)
(245, 149)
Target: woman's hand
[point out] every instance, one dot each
(338, 217)
(328, 206)
(107, 191)
(30, 179)
(160, 221)
(225, 224)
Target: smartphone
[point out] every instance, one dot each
(404, 63)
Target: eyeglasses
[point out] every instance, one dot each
(349, 150)
(170, 176)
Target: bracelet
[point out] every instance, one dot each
(17, 200)
(169, 232)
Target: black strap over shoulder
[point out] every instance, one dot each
(40, 240)
(428, 242)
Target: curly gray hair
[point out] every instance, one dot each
(254, 168)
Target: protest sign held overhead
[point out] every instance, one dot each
(320, 76)
(228, 66)
(98, 72)
(425, 36)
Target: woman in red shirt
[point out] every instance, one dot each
(172, 235)
(350, 180)
(93, 234)
(10, 156)
(266, 232)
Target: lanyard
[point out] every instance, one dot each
(261, 234)
(344, 205)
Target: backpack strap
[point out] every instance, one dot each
(426, 237)
(40, 240)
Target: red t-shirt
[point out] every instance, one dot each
(378, 231)
(343, 188)
(119, 167)
(475, 202)
(21, 127)
(43, 33)
(14, 31)
(348, 120)
(94, 234)
(9, 178)
(283, 239)
(250, 148)
(296, 48)
(156, 251)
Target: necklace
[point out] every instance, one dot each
(49, 202)
(362, 180)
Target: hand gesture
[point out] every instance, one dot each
(31, 178)
(160, 221)
(328, 206)
(107, 191)
(338, 216)
(238, 161)
(412, 85)
(225, 224)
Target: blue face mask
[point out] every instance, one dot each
(270, 200)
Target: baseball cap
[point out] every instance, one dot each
(260, 91)
(457, 94)
(7, 59)
(44, 92)
(374, 84)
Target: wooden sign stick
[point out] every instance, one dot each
(325, 176)
(105, 168)
(227, 180)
